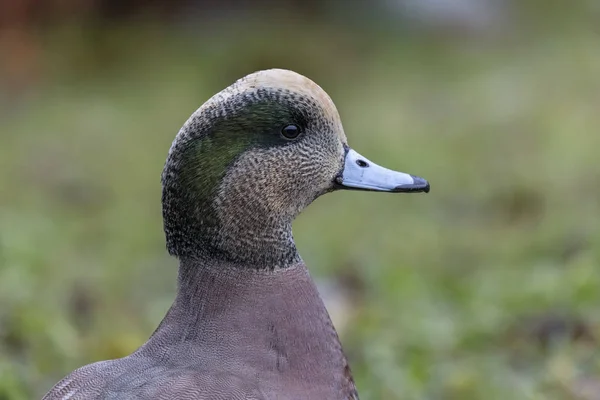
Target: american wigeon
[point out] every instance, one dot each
(247, 322)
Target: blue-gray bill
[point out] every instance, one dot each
(361, 174)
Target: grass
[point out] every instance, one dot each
(460, 294)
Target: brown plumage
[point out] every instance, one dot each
(247, 322)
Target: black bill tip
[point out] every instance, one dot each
(419, 185)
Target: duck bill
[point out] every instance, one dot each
(359, 173)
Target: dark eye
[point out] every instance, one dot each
(290, 131)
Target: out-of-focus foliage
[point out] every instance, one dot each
(486, 288)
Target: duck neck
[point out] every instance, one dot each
(270, 319)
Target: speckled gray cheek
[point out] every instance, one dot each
(266, 188)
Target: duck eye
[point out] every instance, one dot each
(290, 131)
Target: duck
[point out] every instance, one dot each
(247, 321)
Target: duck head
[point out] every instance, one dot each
(250, 159)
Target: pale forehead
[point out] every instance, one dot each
(275, 79)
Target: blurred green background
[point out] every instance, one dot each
(486, 288)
